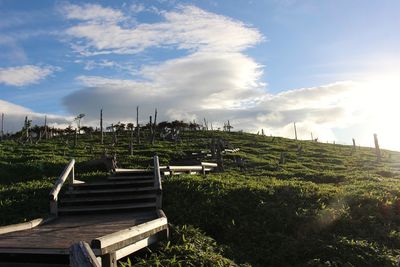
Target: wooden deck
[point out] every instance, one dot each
(58, 235)
(116, 218)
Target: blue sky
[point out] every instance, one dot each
(260, 64)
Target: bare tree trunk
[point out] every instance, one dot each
(2, 126)
(137, 126)
(377, 149)
(101, 126)
(154, 128)
(45, 127)
(295, 131)
(131, 142)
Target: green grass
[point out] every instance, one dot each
(328, 205)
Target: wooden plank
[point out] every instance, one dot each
(112, 183)
(102, 191)
(126, 237)
(58, 235)
(157, 182)
(81, 255)
(184, 168)
(209, 164)
(23, 226)
(135, 177)
(120, 170)
(136, 246)
(60, 181)
(108, 207)
(108, 198)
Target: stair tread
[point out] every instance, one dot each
(102, 191)
(108, 198)
(125, 177)
(108, 207)
(113, 183)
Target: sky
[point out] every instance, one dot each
(333, 67)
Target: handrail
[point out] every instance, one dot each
(81, 255)
(70, 169)
(157, 182)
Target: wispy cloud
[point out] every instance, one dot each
(25, 75)
(100, 31)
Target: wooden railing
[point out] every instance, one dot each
(69, 171)
(203, 168)
(81, 255)
(157, 177)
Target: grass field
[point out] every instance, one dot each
(327, 205)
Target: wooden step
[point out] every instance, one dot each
(108, 198)
(130, 177)
(106, 191)
(132, 171)
(108, 207)
(112, 183)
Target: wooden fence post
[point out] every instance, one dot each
(295, 131)
(377, 149)
(2, 126)
(101, 126)
(137, 126)
(354, 144)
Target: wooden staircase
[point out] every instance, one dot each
(109, 196)
(107, 219)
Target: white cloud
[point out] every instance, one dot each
(14, 116)
(25, 75)
(91, 12)
(186, 27)
(137, 8)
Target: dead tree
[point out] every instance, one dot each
(2, 126)
(153, 138)
(45, 128)
(101, 126)
(377, 149)
(137, 126)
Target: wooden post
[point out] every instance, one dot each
(109, 260)
(354, 144)
(151, 126)
(377, 149)
(76, 138)
(2, 126)
(45, 127)
(312, 137)
(295, 131)
(101, 126)
(153, 138)
(131, 142)
(158, 185)
(137, 126)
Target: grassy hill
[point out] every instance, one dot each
(326, 205)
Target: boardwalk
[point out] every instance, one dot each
(116, 217)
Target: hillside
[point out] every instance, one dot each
(325, 205)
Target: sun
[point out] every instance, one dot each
(378, 100)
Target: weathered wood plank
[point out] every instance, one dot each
(126, 237)
(24, 226)
(81, 255)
